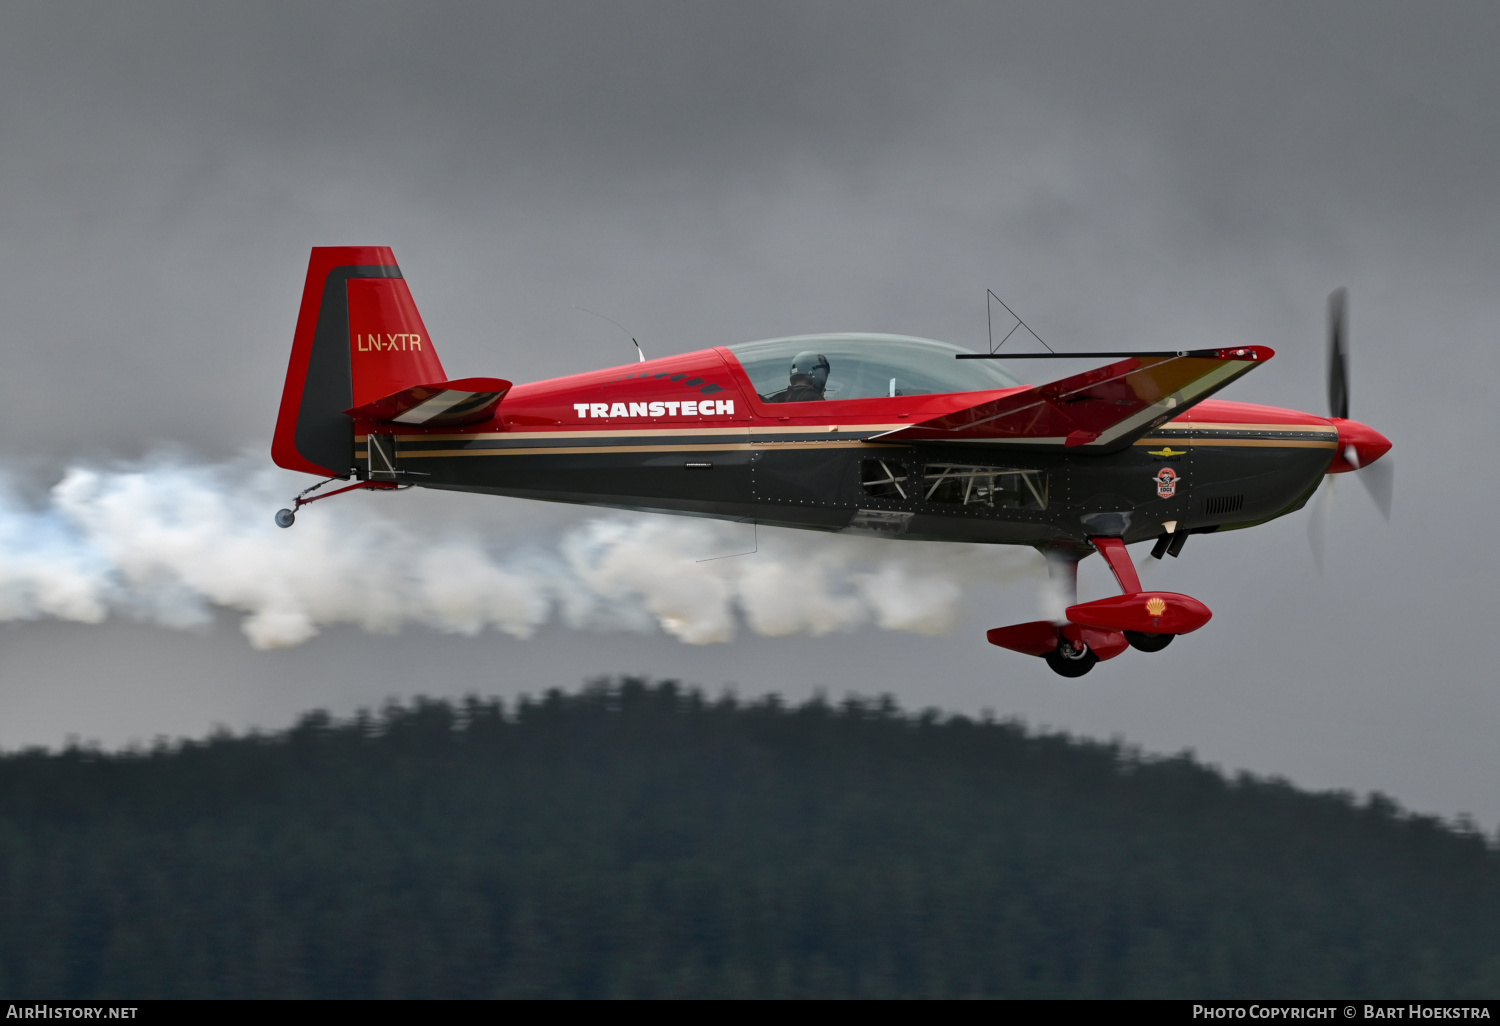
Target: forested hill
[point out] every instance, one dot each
(639, 840)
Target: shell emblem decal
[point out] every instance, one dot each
(1156, 606)
(1166, 482)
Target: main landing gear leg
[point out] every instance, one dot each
(1115, 554)
(1078, 635)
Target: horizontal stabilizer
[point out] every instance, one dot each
(1101, 410)
(447, 403)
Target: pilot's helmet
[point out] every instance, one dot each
(811, 367)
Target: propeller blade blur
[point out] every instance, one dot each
(1379, 479)
(1319, 518)
(1338, 353)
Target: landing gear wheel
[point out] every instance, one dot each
(285, 518)
(1070, 660)
(1148, 642)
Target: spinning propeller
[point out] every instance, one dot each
(1360, 446)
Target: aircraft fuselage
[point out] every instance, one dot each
(813, 465)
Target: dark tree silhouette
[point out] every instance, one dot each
(644, 840)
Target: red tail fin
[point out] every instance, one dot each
(359, 338)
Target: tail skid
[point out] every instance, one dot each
(288, 517)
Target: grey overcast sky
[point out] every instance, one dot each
(1125, 174)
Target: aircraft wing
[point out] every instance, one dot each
(1101, 410)
(465, 401)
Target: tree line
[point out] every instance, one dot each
(638, 839)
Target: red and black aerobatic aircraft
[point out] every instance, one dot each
(882, 434)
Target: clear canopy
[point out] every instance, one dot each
(857, 366)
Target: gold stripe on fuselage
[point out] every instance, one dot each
(717, 439)
(566, 450)
(1270, 436)
(640, 431)
(1301, 429)
(1268, 443)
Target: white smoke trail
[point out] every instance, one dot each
(168, 542)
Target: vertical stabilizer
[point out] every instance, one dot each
(359, 338)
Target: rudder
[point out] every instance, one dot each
(359, 338)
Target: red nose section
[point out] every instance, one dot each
(1359, 446)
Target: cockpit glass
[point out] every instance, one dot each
(863, 367)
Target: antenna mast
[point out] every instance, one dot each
(639, 352)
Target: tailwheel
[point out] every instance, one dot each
(1071, 658)
(1143, 642)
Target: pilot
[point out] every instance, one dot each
(808, 379)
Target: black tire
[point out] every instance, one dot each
(1148, 642)
(1071, 665)
(285, 518)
